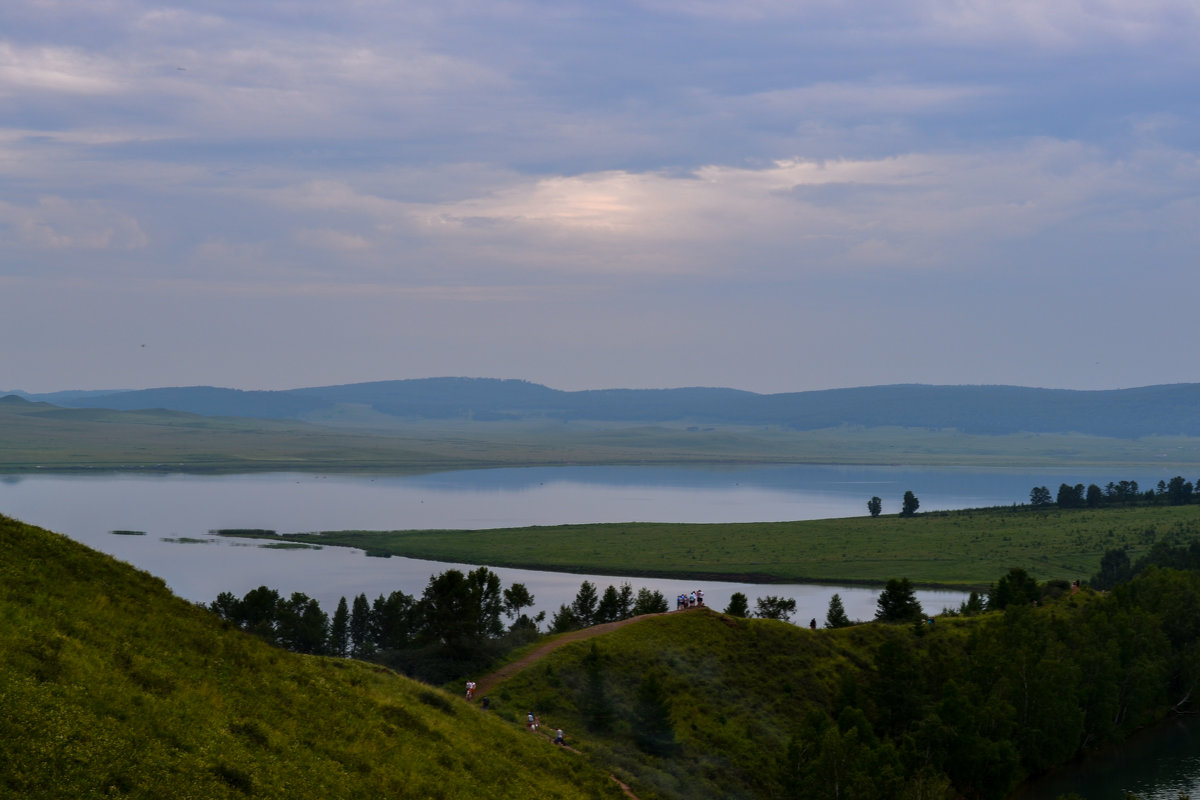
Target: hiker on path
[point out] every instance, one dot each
(559, 740)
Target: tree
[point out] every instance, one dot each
(393, 622)
(1095, 496)
(339, 630)
(625, 601)
(898, 602)
(585, 604)
(875, 506)
(258, 613)
(609, 609)
(772, 607)
(303, 626)
(227, 607)
(738, 605)
(836, 617)
(909, 505)
(1070, 496)
(1015, 588)
(564, 620)
(517, 597)
(1179, 491)
(649, 602)
(1039, 497)
(1114, 568)
(460, 611)
(360, 627)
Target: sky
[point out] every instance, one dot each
(766, 195)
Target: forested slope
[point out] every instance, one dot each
(698, 704)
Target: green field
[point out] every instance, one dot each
(968, 548)
(42, 437)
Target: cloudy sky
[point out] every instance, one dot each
(768, 195)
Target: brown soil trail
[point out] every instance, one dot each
(489, 682)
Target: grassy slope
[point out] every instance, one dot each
(110, 686)
(42, 436)
(737, 689)
(952, 548)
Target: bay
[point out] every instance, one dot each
(176, 513)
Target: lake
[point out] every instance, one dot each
(176, 512)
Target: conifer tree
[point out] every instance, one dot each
(836, 617)
(339, 630)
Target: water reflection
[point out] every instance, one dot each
(184, 508)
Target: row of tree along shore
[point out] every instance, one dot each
(1174, 492)
(1177, 491)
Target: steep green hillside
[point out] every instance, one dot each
(699, 704)
(112, 687)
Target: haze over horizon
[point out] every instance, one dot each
(640, 194)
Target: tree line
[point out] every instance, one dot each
(456, 624)
(459, 623)
(1174, 492)
(972, 710)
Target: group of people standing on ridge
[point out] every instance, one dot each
(686, 601)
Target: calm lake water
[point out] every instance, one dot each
(171, 508)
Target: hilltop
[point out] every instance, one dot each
(113, 687)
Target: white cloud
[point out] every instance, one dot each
(56, 223)
(58, 70)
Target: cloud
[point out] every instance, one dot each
(56, 223)
(58, 70)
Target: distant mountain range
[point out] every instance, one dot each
(1124, 413)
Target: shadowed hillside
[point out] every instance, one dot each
(112, 687)
(1169, 410)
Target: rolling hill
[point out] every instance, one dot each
(1168, 410)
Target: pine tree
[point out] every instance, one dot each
(339, 630)
(360, 627)
(585, 604)
(836, 617)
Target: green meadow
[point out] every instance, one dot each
(36, 436)
(966, 549)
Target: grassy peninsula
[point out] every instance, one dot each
(966, 549)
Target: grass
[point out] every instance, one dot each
(737, 689)
(111, 686)
(43, 437)
(961, 549)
